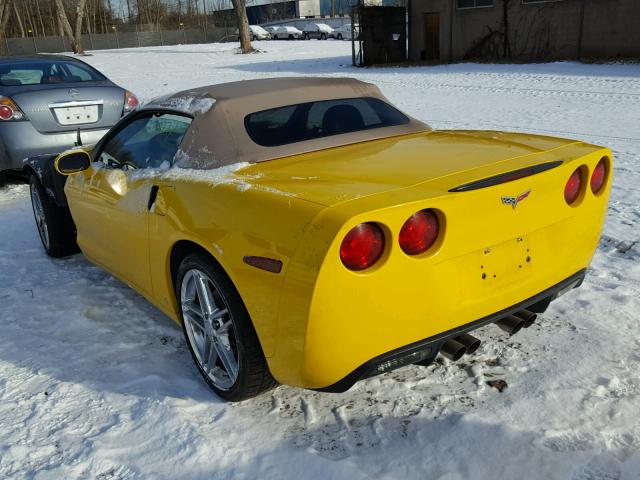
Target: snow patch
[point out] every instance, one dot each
(107, 390)
(192, 103)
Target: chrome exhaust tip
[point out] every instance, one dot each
(453, 350)
(471, 343)
(511, 324)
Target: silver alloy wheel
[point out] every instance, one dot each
(38, 213)
(210, 328)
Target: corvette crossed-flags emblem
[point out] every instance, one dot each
(513, 201)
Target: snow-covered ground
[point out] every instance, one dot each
(96, 383)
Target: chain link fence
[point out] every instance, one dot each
(119, 39)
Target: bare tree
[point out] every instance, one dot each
(4, 16)
(18, 18)
(78, 29)
(240, 7)
(39, 13)
(66, 27)
(152, 12)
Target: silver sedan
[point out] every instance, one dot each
(51, 103)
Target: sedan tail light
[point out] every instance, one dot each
(362, 246)
(419, 232)
(9, 111)
(573, 187)
(130, 101)
(599, 176)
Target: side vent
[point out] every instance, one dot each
(263, 263)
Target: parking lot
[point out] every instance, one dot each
(97, 383)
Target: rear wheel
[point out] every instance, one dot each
(290, 37)
(55, 225)
(219, 331)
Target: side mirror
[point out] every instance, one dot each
(72, 162)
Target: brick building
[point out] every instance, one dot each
(523, 30)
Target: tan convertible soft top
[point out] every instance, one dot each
(218, 136)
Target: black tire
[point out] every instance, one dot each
(55, 225)
(339, 36)
(253, 375)
(307, 37)
(254, 38)
(290, 37)
(323, 36)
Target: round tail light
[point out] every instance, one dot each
(131, 102)
(599, 176)
(419, 232)
(6, 112)
(573, 187)
(362, 246)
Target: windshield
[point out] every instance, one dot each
(308, 121)
(46, 72)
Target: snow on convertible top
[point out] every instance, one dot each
(191, 102)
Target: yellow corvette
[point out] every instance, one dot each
(305, 231)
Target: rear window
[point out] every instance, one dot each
(46, 72)
(308, 121)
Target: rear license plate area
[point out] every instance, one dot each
(77, 115)
(504, 262)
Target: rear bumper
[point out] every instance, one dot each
(429, 347)
(20, 140)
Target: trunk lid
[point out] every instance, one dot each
(441, 159)
(69, 107)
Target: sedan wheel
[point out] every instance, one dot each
(219, 331)
(210, 329)
(55, 225)
(38, 214)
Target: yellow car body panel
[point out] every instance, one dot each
(317, 321)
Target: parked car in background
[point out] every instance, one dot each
(50, 103)
(344, 32)
(259, 33)
(320, 31)
(283, 32)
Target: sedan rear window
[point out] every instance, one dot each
(46, 72)
(308, 121)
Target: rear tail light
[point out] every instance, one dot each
(362, 246)
(9, 111)
(130, 101)
(573, 187)
(599, 176)
(419, 232)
